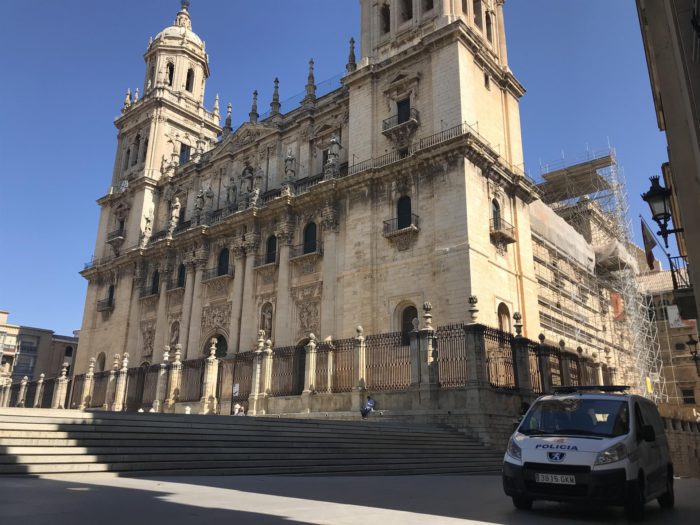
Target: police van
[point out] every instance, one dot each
(593, 444)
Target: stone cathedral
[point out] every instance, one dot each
(402, 186)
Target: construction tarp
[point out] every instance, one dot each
(548, 225)
(615, 256)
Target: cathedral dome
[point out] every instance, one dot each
(181, 28)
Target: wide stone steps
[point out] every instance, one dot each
(36, 441)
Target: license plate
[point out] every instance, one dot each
(557, 479)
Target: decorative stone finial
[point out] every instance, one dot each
(166, 353)
(136, 95)
(125, 361)
(115, 362)
(178, 352)
(427, 316)
(267, 346)
(254, 109)
(91, 365)
(562, 344)
(352, 64)
(216, 106)
(64, 370)
(541, 337)
(517, 324)
(275, 104)
(473, 310)
(360, 331)
(127, 98)
(227, 122)
(579, 350)
(310, 97)
(183, 17)
(212, 348)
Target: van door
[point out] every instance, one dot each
(648, 452)
(657, 448)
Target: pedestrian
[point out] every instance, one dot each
(238, 410)
(367, 408)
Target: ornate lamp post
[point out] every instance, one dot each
(659, 200)
(692, 345)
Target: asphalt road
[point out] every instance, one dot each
(106, 500)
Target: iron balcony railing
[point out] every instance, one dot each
(147, 291)
(502, 230)
(265, 259)
(158, 236)
(182, 226)
(679, 272)
(116, 234)
(401, 223)
(213, 273)
(105, 305)
(306, 249)
(399, 119)
(174, 284)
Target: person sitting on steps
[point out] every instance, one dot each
(367, 408)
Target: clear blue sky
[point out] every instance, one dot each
(70, 62)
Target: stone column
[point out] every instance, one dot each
(266, 379)
(545, 370)
(162, 314)
(521, 362)
(112, 383)
(234, 329)
(255, 387)
(329, 222)
(360, 369)
(162, 382)
(415, 356)
(502, 48)
(195, 321)
(185, 320)
(36, 402)
(174, 379)
(248, 310)
(21, 399)
(329, 369)
(61, 389)
(88, 386)
(282, 330)
(429, 376)
(309, 373)
(120, 391)
(211, 372)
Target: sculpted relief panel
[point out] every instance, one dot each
(216, 316)
(308, 307)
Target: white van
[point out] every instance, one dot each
(592, 444)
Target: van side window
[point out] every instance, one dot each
(652, 417)
(639, 420)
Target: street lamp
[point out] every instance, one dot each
(659, 200)
(692, 345)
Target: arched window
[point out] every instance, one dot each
(406, 10)
(271, 250)
(266, 319)
(110, 293)
(171, 73)
(503, 318)
(100, 362)
(68, 352)
(489, 28)
(181, 275)
(222, 263)
(403, 212)
(408, 314)
(496, 214)
(189, 83)
(310, 238)
(385, 19)
(478, 20)
(144, 151)
(155, 283)
(151, 75)
(137, 144)
(126, 158)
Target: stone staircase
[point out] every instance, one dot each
(34, 441)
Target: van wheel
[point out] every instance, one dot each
(667, 499)
(634, 502)
(522, 503)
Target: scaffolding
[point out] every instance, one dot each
(590, 195)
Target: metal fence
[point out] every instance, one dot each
(99, 390)
(388, 362)
(287, 371)
(47, 392)
(242, 377)
(134, 388)
(192, 379)
(150, 386)
(571, 363)
(343, 368)
(534, 365)
(76, 390)
(499, 358)
(324, 367)
(31, 394)
(452, 355)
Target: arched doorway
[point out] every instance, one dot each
(408, 314)
(221, 346)
(100, 362)
(503, 318)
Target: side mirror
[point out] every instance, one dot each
(647, 433)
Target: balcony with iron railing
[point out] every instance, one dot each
(116, 235)
(215, 273)
(401, 224)
(266, 259)
(411, 119)
(501, 231)
(176, 284)
(105, 305)
(148, 291)
(308, 249)
(683, 290)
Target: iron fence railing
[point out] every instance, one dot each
(242, 377)
(104, 305)
(191, 380)
(47, 392)
(343, 370)
(213, 273)
(399, 223)
(499, 359)
(150, 386)
(388, 362)
(679, 272)
(451, 355)
(287, 371)
(134, 388)
(399, 119)
(306, 249)
(99, 390)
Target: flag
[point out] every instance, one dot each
(649, 244)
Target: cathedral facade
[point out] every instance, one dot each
(403, 186)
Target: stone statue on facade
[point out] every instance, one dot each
(146, 233)
(198, 205)
(174, 216)
(209, 199)
(331, 168)
(248, 176)
(267, 321)
(290, 166)
(231, 195)
(254, 200)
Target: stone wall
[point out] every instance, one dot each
(684, 443)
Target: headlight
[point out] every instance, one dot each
(514, 450)
(611, 455)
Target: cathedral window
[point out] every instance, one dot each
(406, 10)
(487, 81)
(403, 212)
(189, 83)
(110, 294)
(222, 263)
(503, 318)
(126, 158)
(310, 238)
(100, 362)
(151, 75)
(155, 283)
(496, 214)
(489, 28)
(184, 153)
(137, 144)
(171, 73)
(385, 19)
(478, 20)
(427, 5)
(408, 314)
(145, 150)
(403, 110)
(181, 275)
(271, 250)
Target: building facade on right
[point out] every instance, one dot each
(671, 35)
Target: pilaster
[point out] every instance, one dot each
(187, 302)
(211, 369)
(88, 385)
(192, 350)
(174, 379)
(282, 331)
(248, 310)
(120, 391)
(237, 301)
(162, 382)
(309, 373)
(161, 315)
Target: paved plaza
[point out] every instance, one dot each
(405, 500)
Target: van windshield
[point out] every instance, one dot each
(577, 416)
